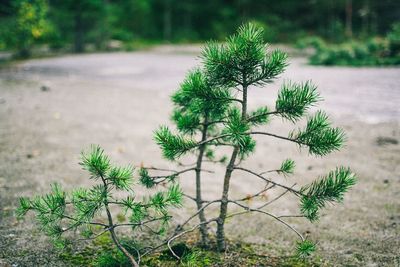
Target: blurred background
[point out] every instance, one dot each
(54, 103)
(89, 25)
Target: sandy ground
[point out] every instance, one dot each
(118, 99)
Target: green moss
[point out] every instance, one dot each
(102, 253)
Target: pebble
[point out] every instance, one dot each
(45, 88)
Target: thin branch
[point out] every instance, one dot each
(189, 197)
(174, 236)
(298, 193)
(250, 133)
(96, 236)
(157, 169)
(179, 172)
(140, 223)
(263, 114)
(194, 215)
(256, 194)
(248, 209)
(270, 171)
(275, 199)
(279, 137)
(185, 232)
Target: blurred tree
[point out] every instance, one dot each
(30, 24)
(77, 19)
(96, 21)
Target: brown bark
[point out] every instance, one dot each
(228, 174)
(199, 200)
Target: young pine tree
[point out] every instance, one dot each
(211, 110)
(59, 212)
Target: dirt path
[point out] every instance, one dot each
(117, 100)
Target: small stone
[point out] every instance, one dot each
(45, 88)
(29, 156)
(384, 140)
(309, 168)
(386, 181)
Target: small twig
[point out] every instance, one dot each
(185, 232)
(256, 194)
(298, 193)
(198, 211)
(275, 199)
(96, 236)
(248, 209)
(189, 197)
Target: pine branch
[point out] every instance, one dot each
(320, 138)
(173, 146)
(327, 189)
(295, 99)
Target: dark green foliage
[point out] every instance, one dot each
(173, 146)
(236, 130)
(259, 117)
(393, 38)
(208, 103)
(95, 162)
(121, 177)
(187, 122)
(287, 167)
(87, 204)
(295, 99)
(145, 178)
(196, 99)
(77, 24)
(319, 136)
(305, 248)
(29, 25)
(372, 52)
(50, 210)
(328, 189)
(243, 53)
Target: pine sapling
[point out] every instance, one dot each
(229, 71)
(59, 212)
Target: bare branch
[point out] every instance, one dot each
(256, 194)
(278, 218)
(185, 232)
(296, 192)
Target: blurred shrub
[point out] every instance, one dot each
(373, 52)
(393, 38)
(270, 32)
(30, 25)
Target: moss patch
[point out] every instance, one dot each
(102, 252)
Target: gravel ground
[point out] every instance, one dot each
(118, 99)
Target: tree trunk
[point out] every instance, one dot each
(228, 174)
(224, 202)
(199, 200)
(167, 20)
(78, 42)
(112, 231)
(349, 18)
